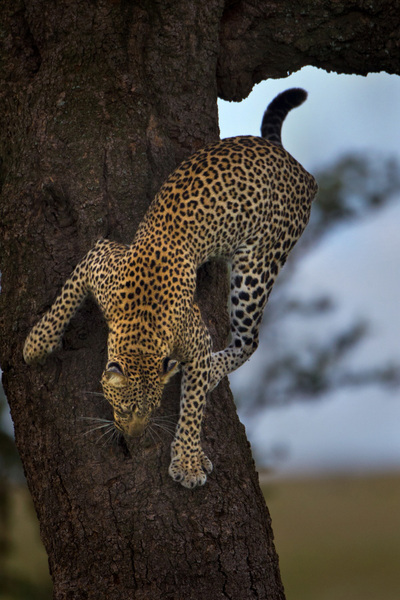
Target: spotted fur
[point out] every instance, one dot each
(244, 199)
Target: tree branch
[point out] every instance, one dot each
(261, 40)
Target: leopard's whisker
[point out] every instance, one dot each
(107, 432)
(151, 431)
(103, 426)
(95, 419)
(108, 438)
(164, 428)
(93, 393)
(171, 424)
(164, 421)
(116, 436)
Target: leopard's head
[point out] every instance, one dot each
(134, 386)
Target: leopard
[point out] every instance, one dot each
(242, 199)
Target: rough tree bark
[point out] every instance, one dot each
(99, 102)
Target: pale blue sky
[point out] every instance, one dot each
(342, 113)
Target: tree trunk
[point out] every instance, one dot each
(99, 102)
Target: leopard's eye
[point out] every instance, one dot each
(165, 365)
(169, 365)
(115, 367)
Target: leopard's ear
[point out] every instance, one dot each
(169, 367)
(114, 376)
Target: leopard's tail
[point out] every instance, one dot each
(277, 111)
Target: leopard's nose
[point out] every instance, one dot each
(135, 427)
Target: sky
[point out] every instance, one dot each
(351, 429)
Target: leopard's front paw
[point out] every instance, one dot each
(189, 466)
(38, 345)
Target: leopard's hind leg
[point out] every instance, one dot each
(252, 276)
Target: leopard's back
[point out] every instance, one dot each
(231, 193)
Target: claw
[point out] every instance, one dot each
(190, 472)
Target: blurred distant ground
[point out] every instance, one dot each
(337, 539)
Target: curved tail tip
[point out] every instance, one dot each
(294, 96)
(277, 111)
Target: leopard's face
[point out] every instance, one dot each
(134, 389)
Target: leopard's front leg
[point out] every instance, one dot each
(189, 464)
(46, 335)
(88, 276)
